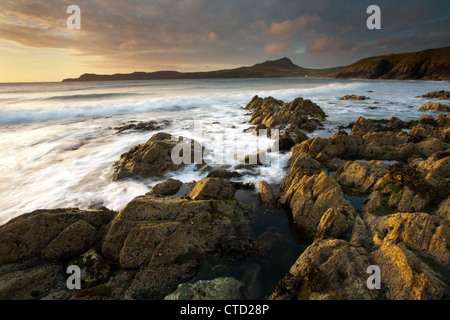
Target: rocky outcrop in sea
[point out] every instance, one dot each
(377, 195)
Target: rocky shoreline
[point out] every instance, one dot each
(377, 195)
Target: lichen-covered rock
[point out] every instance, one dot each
(310, 197)
(328, 269)
(361, 176)
(405, 276)
(27, 235)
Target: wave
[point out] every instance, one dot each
(90, 96)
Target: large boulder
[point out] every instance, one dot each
(155, 157)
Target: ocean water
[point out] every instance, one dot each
(58, 142)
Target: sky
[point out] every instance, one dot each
(204, 35)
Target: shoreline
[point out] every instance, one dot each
(183, 228)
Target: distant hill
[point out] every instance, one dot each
(282, 68)
(432, 64)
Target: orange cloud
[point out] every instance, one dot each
(275, 48)
(128, 45)
(292, 26)
(210, 37)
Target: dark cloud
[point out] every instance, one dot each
(193, 34)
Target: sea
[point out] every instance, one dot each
(59, 141)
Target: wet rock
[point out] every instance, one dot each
(142, 126)
(354, 97)
(166, 188)
(266, 195)
(154, 158)
(212, 188)
(225, 288)
(329, 270)
(224, 174)
(443, 95)
(435, 107)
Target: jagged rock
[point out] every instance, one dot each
(353, 97)
(422, 233)
(225, 288)
(443, 95)
(168, 187)
(27, 235)
(405, 276)
(328, 269)
(309, 198)
(361, 176)
(332, 224)
(212, 188)
(435, 107)
(72, 241)
(154, 158)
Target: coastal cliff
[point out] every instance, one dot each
(432, 64)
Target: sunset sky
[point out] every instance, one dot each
(203, 35)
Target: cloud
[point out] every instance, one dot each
(210, 37)
(128, 45)
(292, 26)
(150, 34)
(276, 48)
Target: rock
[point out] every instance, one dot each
(266, 194)
(405, 276)
(256, 158)
(309, 198)
(332, 225)
(27, 235)
(154, 158)
(353, 97)
(225, 288)
(422, 233)
(444, 209)
(435, 107)
(224, 174)
(212, 188)
(94, 269)
(142, 126)
(166, 188)
(361, 176)
(31, 283)
(443, 95)
(328, 269)
(165, 239)
(72, 241)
